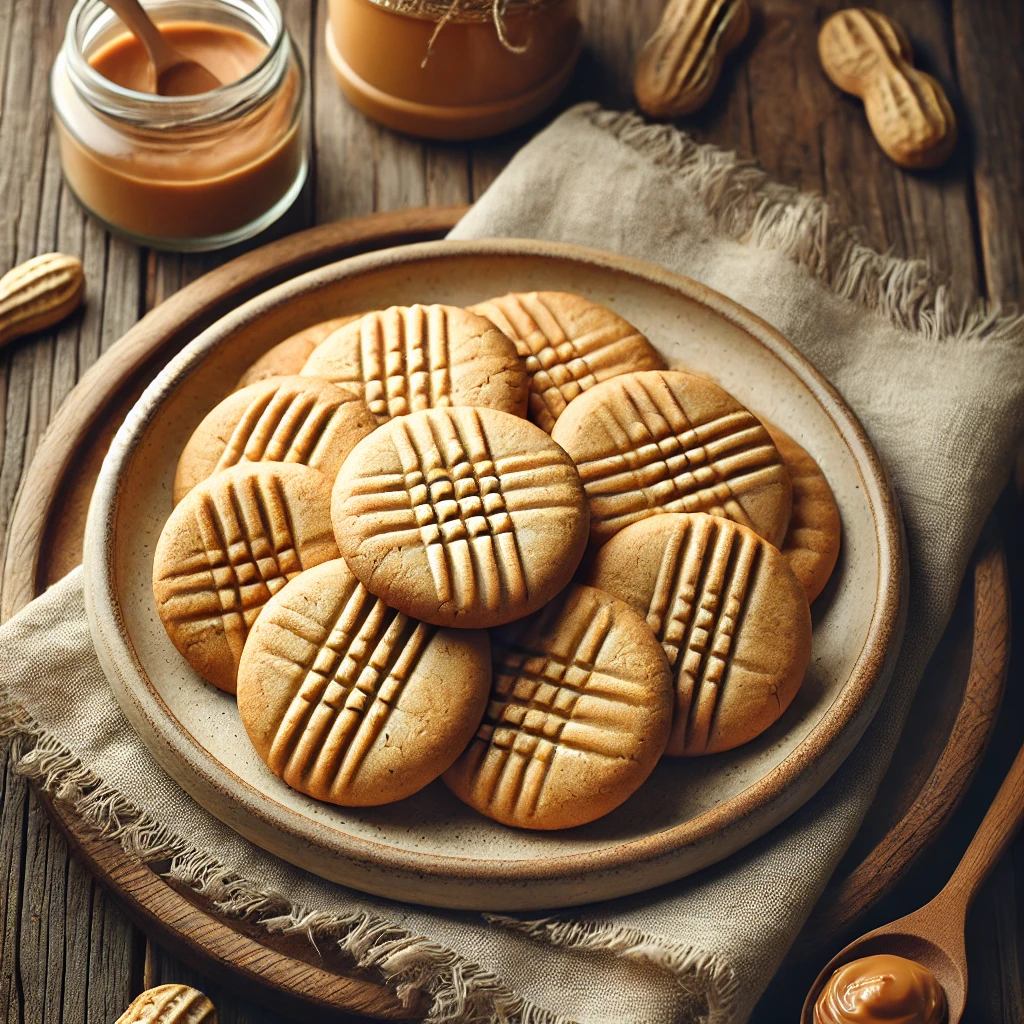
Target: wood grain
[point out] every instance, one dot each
(772, 103)
(50, 515)
(866, 877)
(320, 981)
(987, 41)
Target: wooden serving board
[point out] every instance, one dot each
(953, 716)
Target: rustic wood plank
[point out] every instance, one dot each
(994, 949)
(988, 39)
(50, 909)
(345, 142)
(164, 969)
(13, 818)
(801, 130)
(806, 133)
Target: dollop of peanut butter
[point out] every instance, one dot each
(881, 989)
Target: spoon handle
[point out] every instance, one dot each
(991, 840)
(132, 13)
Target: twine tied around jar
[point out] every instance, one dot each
(444, 11)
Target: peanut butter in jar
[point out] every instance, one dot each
(184, 172)
(452, 69)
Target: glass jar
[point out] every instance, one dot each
(185, 173)
(457, 80)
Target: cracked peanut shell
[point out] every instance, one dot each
(169, 1004)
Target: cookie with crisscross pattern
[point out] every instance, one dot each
(460, 516)
(169, 1004)
(569, 344)
(579, 713)
(410, 358)
(811, 544)
(289, 356)
(351, 701)
(668, 441)
(232, 543)
(281, 419)
(732, 617)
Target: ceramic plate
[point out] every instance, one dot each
(430, 848)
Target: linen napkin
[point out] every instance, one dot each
(939, 392)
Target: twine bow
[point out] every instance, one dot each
(445, 11)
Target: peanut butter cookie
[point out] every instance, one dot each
(733, 619)
(352, 702)
(280, 419)
(668, 441)
(580, 709)
(569, 344)
(410, 358)
(289, 356)
(227, 548)
(811, 545)
(169, 1004)
(461, 516)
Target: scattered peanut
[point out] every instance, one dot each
(170, 1004)
(38, 293)
(678, 67)
(867, 54)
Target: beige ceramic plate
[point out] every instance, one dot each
(430, 848)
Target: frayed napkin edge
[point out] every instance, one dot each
(746, 205)
(459, 990)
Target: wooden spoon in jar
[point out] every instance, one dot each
(173, 74)
(934, 935)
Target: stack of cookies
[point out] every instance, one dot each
(505, 546)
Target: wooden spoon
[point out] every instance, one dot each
(934, 935)
(172, 73)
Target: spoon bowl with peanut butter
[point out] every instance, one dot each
(172, 72)
(914, 970)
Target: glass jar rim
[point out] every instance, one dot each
(230, 100)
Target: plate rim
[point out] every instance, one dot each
(822, 747)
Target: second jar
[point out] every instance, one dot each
(190, 172)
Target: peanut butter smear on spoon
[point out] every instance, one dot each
(881, 989)
(914, 970)
(171, 72)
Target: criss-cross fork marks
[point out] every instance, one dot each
(405, 360)
(560, 366)
(456, 498)
(350, 683)
(663, 461)
(451, 494)
(287, 425)
(174, 1004)
(535, 709)
(706, 572)
(248, 549)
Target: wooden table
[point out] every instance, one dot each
(67, 953)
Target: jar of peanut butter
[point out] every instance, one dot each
(453, 69)
(186, 173)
